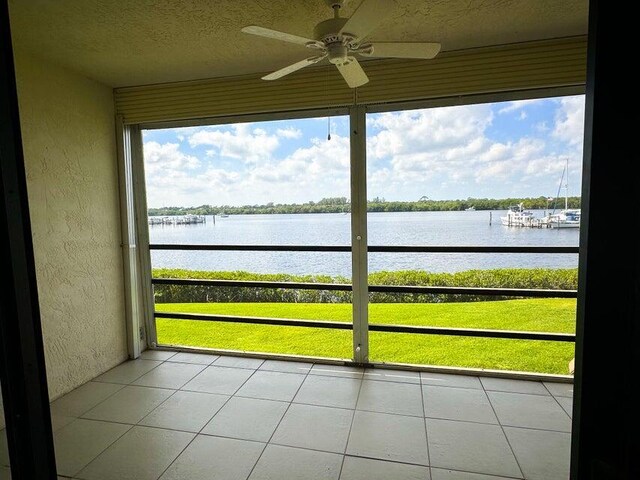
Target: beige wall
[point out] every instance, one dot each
(70, 154)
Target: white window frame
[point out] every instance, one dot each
(136, 254)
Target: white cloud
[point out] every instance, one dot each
(516, 105)
(319, 170)
(159, 157)
(523, 115)
(289, 132)
(541, 127)
(426, 144)
(448, 153)
(431, 130)
(250, 146)
(440, 152)
(569, 120)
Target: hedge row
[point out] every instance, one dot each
(565, 279)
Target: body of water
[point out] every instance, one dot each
(401, 228)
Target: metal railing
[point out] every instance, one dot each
(410, 289)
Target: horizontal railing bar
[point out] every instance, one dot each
(345, 287)
(471, 249)
(415, 289)
(373, 248)
(505, 292)
(254, 248)
(421, 330)
(290, 322)
(473, 332)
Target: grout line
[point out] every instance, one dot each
(537, 429)
(142, 386)
(183, 389)
(322, 405)
(173, 392)
(195, 435)
(181, 452)
(170, 388)
(171, 359)
(279, 422)
(505, 435)
(492, 424)
(199, 432)
(135, 379)
(559, 404)
(500, 477)
(188, 363)
(309, 449)
(103, 450)
(231, 437)
(216, 413)
(393, 382)
(520, 393)
(389, 460)
(156, 408)
(94, 406)
(426, 431)
(156, 359)
(353, 418)
(242, 358)
(451, 386)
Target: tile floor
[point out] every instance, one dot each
(193, 416)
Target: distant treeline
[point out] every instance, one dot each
(341, 205)
(563, 279)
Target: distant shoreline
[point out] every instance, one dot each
(341, 205)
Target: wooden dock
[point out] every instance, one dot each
(178, 220)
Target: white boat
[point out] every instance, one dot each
(517, 216)
(567, 218)
(470, 209)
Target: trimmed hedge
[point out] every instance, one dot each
(564, 279)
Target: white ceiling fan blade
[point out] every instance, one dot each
(367, 17)
(293, 68)
(402, 50)
(353, 73)
(276, 35)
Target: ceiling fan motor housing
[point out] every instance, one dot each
(337, 44)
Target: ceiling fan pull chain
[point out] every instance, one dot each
(326, 86)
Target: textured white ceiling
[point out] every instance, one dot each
(137, 42)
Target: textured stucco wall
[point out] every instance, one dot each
(70, 155)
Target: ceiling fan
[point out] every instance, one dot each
(339, 39)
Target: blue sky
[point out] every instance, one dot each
(508, 149)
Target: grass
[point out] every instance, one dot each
(543, 315)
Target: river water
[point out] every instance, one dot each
(397, 228)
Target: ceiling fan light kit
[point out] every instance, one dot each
(338, 39)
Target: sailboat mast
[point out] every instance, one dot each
(566, 186)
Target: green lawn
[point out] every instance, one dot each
(544, 315)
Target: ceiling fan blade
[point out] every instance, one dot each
(402, 50)
(353, 73)
(293, 68)
(276, 35)
(367, 17)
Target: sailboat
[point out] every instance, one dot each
(567, 218)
